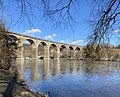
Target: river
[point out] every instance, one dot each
(71, 78)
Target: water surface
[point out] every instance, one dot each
(71, 78)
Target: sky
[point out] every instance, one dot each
(77, 34)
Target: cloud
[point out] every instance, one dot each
(50, 37)
(64, 41)
(54, 34)
(31, 32)
(77, 42)
(117, 31)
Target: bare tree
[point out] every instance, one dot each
(106, 19)
(60, 11)
(106, 13)
(7, 48)
(57, 11)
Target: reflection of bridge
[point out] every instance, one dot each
(67, 50)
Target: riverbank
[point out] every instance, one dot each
(11, 86)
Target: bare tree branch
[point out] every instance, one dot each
(102, 26)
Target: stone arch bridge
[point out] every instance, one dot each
(58, 49)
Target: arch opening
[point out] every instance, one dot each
(42, 50)
(70, 52)
(63, 51)
(77, 53)
(29, 41)
(28, 47)
(53, 51)
(13, 38)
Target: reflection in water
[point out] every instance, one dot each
(46, 68)
(71, 78)
(56, 67)
(20, 68)
(35, 69)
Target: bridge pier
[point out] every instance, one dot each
(73, 54)
(58, 54)
(20, 68)
(35, 51)
(46, 53)
(20, 53)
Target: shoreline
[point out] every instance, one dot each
(12, 86)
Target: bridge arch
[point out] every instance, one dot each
(14, 37)
(29, 40)
(63, 51)
(28, 48)
(77, 52)
(53, 51)
(63, 46)
(43, 50)
(71, 52)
